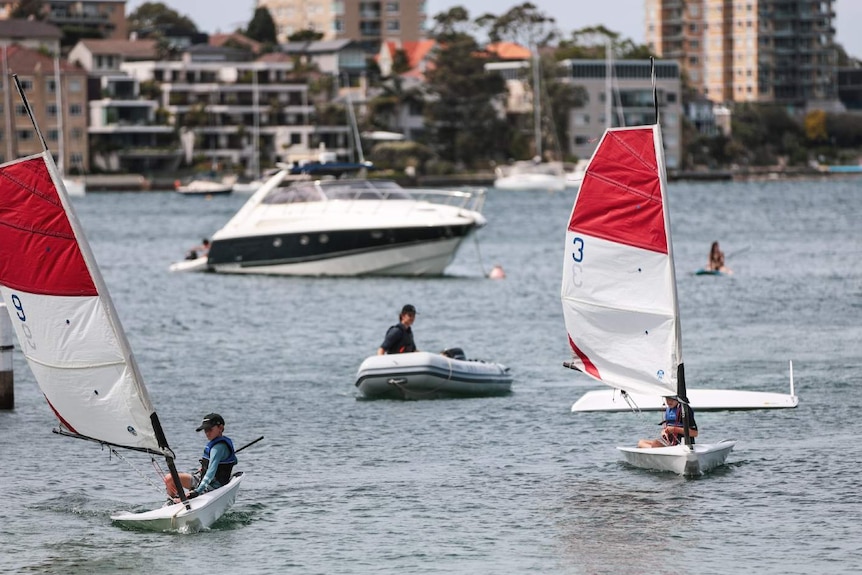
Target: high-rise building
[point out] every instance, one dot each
(366, 21)
(780, 51)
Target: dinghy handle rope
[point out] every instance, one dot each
(479, 253)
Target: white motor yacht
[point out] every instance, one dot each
(343, 227)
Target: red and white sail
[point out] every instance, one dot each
(619, 289)
(63, 316)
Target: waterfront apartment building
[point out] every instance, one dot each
(239, 113)
(38, 76)
(366, 21)
(625, 99)
(779, 51)
(615, 95)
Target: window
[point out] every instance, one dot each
(52, 110)
(75, 110)
(75, 85)
(393, 25)
(77, 133)
(27, 85)
(392, 7)
(24, 135)
(53, 135)
(50, 85)
(76, 159)
(20, 110)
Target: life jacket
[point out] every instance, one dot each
(673, 416)
(405, 344)
(225, 467)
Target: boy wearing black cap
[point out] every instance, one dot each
(399, 337)
(216, 464)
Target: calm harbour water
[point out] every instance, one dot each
(505, 485)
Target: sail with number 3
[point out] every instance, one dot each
(619, 289)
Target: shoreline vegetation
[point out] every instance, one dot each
(161, 182)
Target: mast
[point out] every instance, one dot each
(255, 160)
(680, 370)
(61, 149)
(537, 104)
(104, 294)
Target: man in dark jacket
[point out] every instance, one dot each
(399, 337)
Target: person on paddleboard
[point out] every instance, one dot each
(716, 260)
(399, 337)
(673, 430)
(217, 463)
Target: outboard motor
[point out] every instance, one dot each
(454, 353)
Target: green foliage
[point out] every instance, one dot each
(524, 24)
(262, 27)
(155, 18)
(29, 9)
(766, 132)
(463, 125)
(815, 126)
(307, 35)
(399, 155)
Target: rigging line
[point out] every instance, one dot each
(479, 253)
(146, 478)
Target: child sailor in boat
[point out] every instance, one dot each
(673, 429)
(217, 462)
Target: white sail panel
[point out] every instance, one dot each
(79, 366)
(619, 314)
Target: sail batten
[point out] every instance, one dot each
(619, 290)
(66, 325)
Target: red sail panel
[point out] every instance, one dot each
(46, 258)
(620, 196)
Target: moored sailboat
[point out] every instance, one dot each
(68, 328)
(619, 290)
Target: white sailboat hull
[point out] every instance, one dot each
(205, 510)
(700, 400)
(526, 182)
(680, 459)
(75, 186)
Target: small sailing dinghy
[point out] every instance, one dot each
(70, 333)
(619, 291)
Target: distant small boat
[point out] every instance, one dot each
(425, 375)
(205, 187)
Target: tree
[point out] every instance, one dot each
(463, 124)
(155, 18)
(29, 9)
(524, 24)
(307, 35)
(815, 126)
(262, 27)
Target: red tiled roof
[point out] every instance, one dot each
(220, 39)
(133, 49)
(509, 51)
(23, 60)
